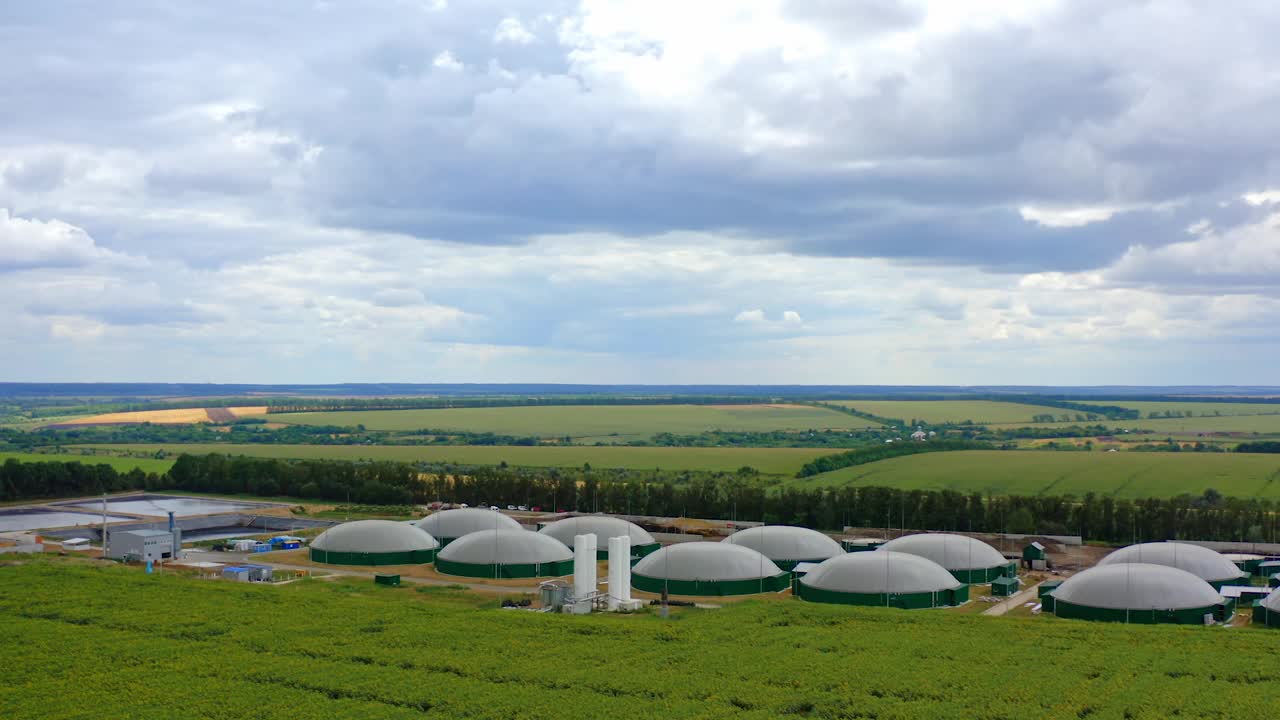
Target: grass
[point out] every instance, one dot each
(122, 464)
(1029, 472)
(770, 461)
(83, 641)
(589, 423)
(951, 411)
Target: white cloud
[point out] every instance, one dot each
(445, 60)
(29, 243)
(512, 31)
(1265, 197)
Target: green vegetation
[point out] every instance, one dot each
(1264, 424)
(589, 423)
(1196, 409)
(770, 461)
(940, 412)
(113, 642)
(1029, 472)
(120, 464)
(863, 456)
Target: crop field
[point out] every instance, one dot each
(589, 423)
(951, 411)
(81, 642)
(183, 416)
(770, 461)
(1030, 472)
(122, 464)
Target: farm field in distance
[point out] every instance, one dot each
(951, 411)
(321, 650)
(122, 464)
(1028, 472)
(770, 461)
(589, 423)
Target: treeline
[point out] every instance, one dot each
(249, 431)
(775, 438)
(827, 463)
(427, 403)
(1111, 412)
(891, 422)
(718, 496)
(1261, 446)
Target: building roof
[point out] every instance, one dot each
(374, 536)
(1037, 545)
(880, 572)
(1243, 557)
(142, 533)
(602, 526)
(953, 552)
(1137, 586)
(786, 543)
(1200, 561)
(505, 547)
(463, 521)
(711, 561)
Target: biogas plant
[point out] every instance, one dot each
(586, 562)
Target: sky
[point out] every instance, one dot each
(741, 191)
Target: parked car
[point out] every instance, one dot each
(493, 507)
(511, 507)
(522, 508)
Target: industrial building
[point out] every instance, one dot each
(786, 545)
(374, 542)
(505, 554)
(603, 527)
(885, 579)
(140, 545)
(1138, 593)
(1267, 612)
(1210, 566)
(449, 525)
(708, 568)
(968, 559)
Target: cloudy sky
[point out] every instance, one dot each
(772, 191)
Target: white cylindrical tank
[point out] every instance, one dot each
(584, 568)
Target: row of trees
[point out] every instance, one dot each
(727, 496)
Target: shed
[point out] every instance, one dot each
(1268, 568)
(1033, 556)
(235, 572)
(1005, 586)
(76, 544)
(386, 579)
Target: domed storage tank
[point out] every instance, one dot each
(449, 525)
(786, 545)
(885, 578)
(968, 559)
(374, 542)
(1139, 593)
(1202, 562)
(603, 527)
(708, 568)
(505, 554)
(1267, 611)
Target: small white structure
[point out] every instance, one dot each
(76, 544)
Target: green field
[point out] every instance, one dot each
(589, 423)
(84, 642)
(1029, 472)
(950, 411)
(121, 464)
(771, 461)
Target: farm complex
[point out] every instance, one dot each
(874, 536)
